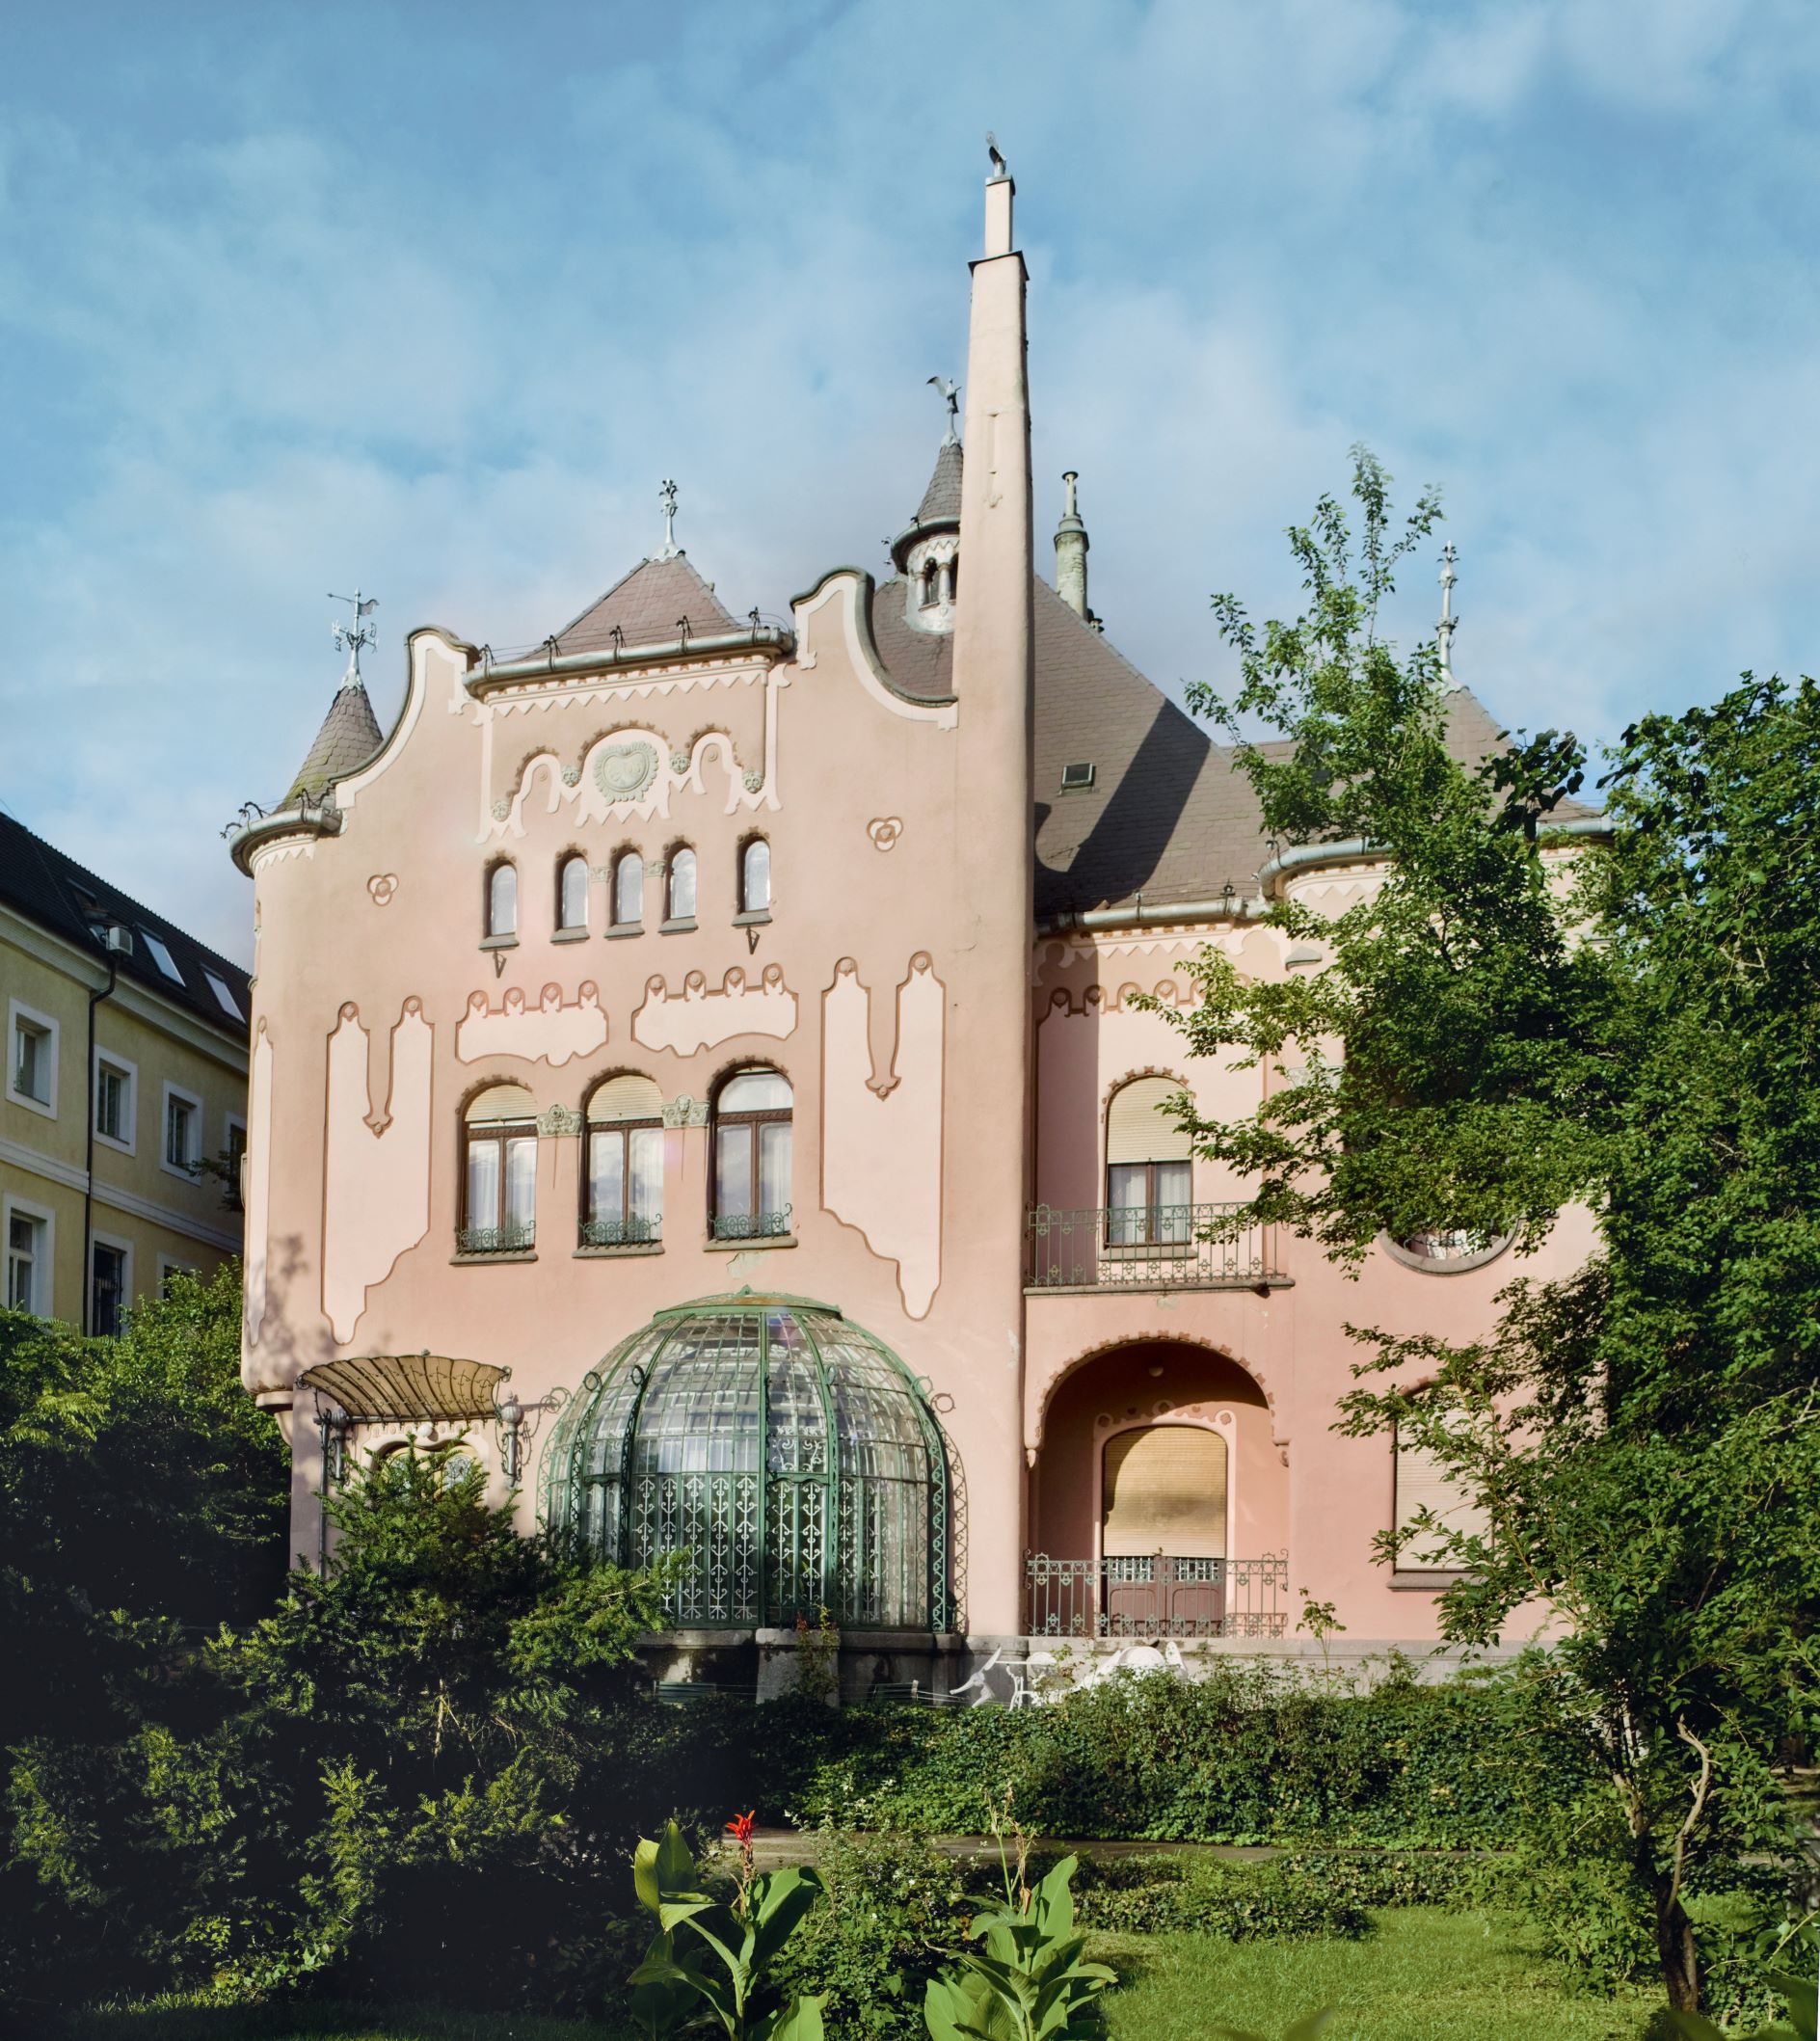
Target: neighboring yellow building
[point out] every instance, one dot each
(122, 1116)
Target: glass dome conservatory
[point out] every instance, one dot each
(789, 1456)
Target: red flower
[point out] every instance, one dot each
(739, 1828)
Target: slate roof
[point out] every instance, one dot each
(645, 605)
(348, 738)
(60, 894)
(940, 499)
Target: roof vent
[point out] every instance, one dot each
(1076, 778)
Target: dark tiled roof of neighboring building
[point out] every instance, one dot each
(648, 606)
(921, 662)
(348, 738)
(54, 891)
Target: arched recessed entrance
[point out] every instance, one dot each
(1159, 1500)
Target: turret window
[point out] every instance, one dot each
(502, 903)
(629, 891)
(752, 1156)
(572, 894)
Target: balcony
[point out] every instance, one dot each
(1145, 1247)
(1156, 1597)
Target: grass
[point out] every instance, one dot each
(1424, 1976)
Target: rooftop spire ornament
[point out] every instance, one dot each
(951, 396)
(666, 495)
(355, 631)
(1448, 623)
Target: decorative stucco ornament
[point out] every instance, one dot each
(571, 775)
(884, 831)
(559, 1121)
(381, 886)
(685, 1112)
(500, 810)
(623, 772)
(679, 762)
(753, 780)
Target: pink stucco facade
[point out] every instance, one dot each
(951, 1034)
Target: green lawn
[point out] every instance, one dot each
(1425, 1976)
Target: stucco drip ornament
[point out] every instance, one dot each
(884, 831)
(623, 772)
(383, 885)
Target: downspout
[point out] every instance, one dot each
(87, 1174)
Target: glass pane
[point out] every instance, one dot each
(755, 891)
(1173, 1218)
(1127, 1187)
(683, 886)
(755, 1092)
(606, 1175)
(773, 1164)
(483, 1183)
(628, 889)
(521, 1180)
(574, 910)
(647, 1172)
(502, 900)
(733, 1172)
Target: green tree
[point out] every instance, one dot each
(1502, 1033)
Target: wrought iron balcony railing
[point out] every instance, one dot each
(750, 1225)
(1144, 1248)
(632, 1232)
(496, 1240)
(1156, 1597)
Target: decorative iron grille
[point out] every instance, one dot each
(1156, 1597)
(750, 1225)
(782, 1456)
(496, 1240)
(622, 1233)
(1145, 1247)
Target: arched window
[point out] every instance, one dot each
(623, 1191)
(503, 899)
(572, 894)
(1163, 1530)
(680, 905)
(752, 1156)
(755, 877)
(498, 1173)
(928, 583)
(628, 890)
(1149, 1173)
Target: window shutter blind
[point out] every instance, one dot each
(1136, 1132)
(1423, 1483)
(501, 1102)
(1164, 1492)
(626, 1098)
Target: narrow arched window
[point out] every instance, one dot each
(623, 1194)
(755, 877)
(498, 1173)
(751, 1187)
(572, 894)
(680, 905)
(503, 899)
(628, 890)
(1149, 1168)
(928, 583)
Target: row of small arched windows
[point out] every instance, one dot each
(627, 885)
(621, 1174)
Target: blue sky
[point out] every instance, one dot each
(432, 297)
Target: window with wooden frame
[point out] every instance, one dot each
(755, 877)
(678, 904)
(622, 1187)
(572, 894)
(1424, 1482)
(628, 890)
(498, 1213)
(752, 1141)
(1149, 1170)
(502, 901)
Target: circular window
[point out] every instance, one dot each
(1445, 1254)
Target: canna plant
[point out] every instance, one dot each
(711, 1960)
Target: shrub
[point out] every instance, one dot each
(1157, 1895)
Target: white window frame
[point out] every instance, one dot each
(131, 1071)
(16, 1011)
(121, 1246)
(168, 1266)
(224, 995)
(159, 950)
(235, 1191)
(196, 1124)
(44, 1265)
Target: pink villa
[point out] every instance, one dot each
(699, 1064)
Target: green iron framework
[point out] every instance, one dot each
(787, 1456)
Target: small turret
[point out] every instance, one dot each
(1071, 554)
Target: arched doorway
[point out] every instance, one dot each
(1163, 1539)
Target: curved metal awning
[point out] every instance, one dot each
(406, 1389)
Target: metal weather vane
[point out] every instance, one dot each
(1449, 622)
(950, 396)
(355, 633)
(666, 496)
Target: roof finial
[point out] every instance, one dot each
(951, 396)
(355, 633)
(666, 495)
(1448, 623)
(997, 155)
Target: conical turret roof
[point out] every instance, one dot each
(940, 507)
(349, 737)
